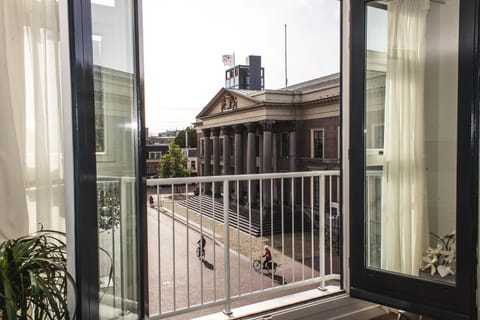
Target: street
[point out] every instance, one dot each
(210, 272)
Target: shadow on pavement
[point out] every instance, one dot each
(208, 265)
(276, 278)
(279, 279)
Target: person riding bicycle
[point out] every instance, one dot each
(201, 243)
(150, 200)
(267, 255)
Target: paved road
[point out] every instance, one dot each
(210, 273)
(193, 282)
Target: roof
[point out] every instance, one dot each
(330, 80)
(309, 91)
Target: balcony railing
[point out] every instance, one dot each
(295, 214)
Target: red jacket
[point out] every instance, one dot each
(267, 255)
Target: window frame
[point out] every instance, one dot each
(85, 223)
(400, 291)
(284, 146)
(312, 143)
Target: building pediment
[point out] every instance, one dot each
(226, 100)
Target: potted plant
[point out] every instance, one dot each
(34, 277)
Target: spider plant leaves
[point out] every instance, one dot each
(34, 277)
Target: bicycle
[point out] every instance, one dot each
(258, 266)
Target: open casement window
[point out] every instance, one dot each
(412, 155)
(108, 144)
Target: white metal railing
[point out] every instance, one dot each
(295, 214)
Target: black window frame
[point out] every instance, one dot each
(84, 151)
(432, 298)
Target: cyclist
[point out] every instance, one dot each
(267, 255)
(201, 244)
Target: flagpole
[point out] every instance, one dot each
(234, 71)
(286, 78)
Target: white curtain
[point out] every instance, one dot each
(31, 128)
(404, 207)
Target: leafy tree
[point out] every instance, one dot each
(192, 138)
(174, 162)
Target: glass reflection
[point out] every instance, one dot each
(410, 137)
(116, 136)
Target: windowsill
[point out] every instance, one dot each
(300, 300)
(338, 307)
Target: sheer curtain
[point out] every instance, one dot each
(404, 208)
(31, 128)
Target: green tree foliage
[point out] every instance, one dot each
(192, 138)
(174, 163)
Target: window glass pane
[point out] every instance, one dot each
(318, 144)
(116, 137)
(410, 137)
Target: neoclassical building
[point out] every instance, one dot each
(292, 129)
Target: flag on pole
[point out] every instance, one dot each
(228, 60)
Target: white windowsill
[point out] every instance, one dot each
(287, 307)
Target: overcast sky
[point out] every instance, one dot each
(184, 41)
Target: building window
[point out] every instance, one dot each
(152, 155)
(192, 165)
(317, 143)
(284, 145)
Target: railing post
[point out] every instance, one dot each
(226, 248)
(321, 237)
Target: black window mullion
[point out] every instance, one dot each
(83, 117)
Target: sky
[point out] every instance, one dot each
(184, 41)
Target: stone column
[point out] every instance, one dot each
(260, 148)
(251, 163)
(277, 183)
(226, 150)
(207, 157)
(216, 158)
(238, 155)
(251, 160)
(267, 161)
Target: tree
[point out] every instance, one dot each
(192, 138)
(174, 163)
